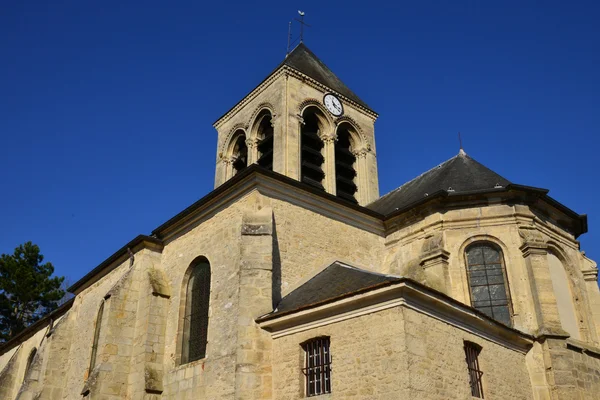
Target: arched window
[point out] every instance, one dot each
(195, 324)
(564, 297)
(344, 166)
(311, 145)
(487, 281)
(265, 141)
(240, 152)
(96, 336)
(29, 362)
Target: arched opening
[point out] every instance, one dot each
(564, 296)
(195, 323)
(29, 362)
(487, 281)
(97, 329)
(239, 152)
(264, 134)
(311, 171)
(345, 172)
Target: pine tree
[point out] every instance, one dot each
(27, 290)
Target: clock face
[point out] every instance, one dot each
(333, 104)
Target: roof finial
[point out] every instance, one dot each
(301, 38)
(461, 151)
(302, 23)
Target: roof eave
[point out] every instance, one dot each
(403, 292)
(136, 244)
(33, 328)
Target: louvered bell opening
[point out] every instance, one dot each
(312, 159)
(265, 146)
(265, 149)
(344, 170)
(241, 153)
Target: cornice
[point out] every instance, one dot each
(326, 89)
(249, 97)
(273, 185)
(140, 242)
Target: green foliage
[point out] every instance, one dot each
(27, 291)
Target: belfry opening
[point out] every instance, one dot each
(240, 152)
(311, 171)
(345, 173)
(264, 135)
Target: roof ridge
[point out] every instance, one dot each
(417, 177)
(342, 264)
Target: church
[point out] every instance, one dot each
(294, 278)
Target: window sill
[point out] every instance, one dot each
(190, 364)
(324, 396)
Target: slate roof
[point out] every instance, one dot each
(460, 174)
(306, 62)
(334, 282)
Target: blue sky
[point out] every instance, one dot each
(106, 108)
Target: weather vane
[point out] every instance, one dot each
(302, 25)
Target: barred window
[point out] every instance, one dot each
(487, 281)
(96, 336)
(472, 351)
(317, 368)
(195, 324)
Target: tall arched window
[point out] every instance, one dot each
(264, 135)
(311, 145)
(487, 281)
(344, 166)
(96, 336)
(29, 362)
(195, 324)
(240, 152)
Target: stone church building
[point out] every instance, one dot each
(294, 278)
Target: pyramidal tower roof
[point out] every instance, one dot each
(305, 61)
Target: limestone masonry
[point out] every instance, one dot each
(293, 278)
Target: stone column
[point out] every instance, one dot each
(329, 164)
(535, 252)
(362, 182)
(252, 144)
(228, 168)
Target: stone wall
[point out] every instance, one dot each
(260, 247)
(532, 296)
(372, 367)
(573, 370)
(400, 353)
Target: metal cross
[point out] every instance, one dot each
(302, 23)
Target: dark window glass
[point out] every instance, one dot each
(317, 368)
(487, 282)
(195, 329)
(472, 351)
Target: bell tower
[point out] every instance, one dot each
(302, 121)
